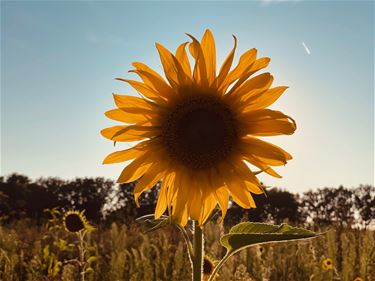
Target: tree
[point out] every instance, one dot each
(364, 200)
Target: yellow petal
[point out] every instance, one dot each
(126, 117)
(265, 149)
(181, 217)
(236, 186)
(267, 122)
(222, 196)
(135, 169)
(145, 68)
(200, 71)
(246, 175)
(220, 192)
(172, 68)
(128, 133)
(209, 205)
(260, 64)
(148, 180)
(171, 192)
(151, 78)
(180, 208)
(127, 154)
(143, 89)
(209, 52)
(251, 69)
(246, 59)
(261, 165)
(162, 203)
(111, 131)
(255, 85)
(265, 98)
(252, 86)
(125, 101)
(182, 57)
(196, 205)
(155, 83)
(227, 64)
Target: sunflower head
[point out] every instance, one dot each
(208, 267)
(75, 221)
(51, 214)
(327, 264)
(358, 279)
(198, 129)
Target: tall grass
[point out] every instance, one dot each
(122, 252)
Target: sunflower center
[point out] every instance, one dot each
(208, 267)
(74, 223)
(199, 131)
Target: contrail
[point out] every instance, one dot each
(306, 48)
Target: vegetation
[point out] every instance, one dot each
(35, 246)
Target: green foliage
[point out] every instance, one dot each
(149, 223)
(247, 234)
(123, 253)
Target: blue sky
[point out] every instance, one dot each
(59, 61)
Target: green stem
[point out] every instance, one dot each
(198, 252)
(82, 251)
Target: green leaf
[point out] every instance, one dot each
(246, 234)
(91, 259)
(56, 268)
(149, 223)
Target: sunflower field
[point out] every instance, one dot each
(120, 252)
(43, 239)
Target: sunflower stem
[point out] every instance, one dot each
(81, 247)
(198, 252)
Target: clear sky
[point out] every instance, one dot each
(59, 61)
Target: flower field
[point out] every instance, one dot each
(120, 252)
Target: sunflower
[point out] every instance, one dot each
(327, 264)
(208, 267)
(75, 221)
(198, 130)
(358, 279)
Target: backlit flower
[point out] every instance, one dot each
(75, 221)
(327, 264)
(208, 267)
(199, 129)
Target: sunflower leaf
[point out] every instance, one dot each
(246, 234)
(149, 223)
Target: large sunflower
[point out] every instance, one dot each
(199, 129)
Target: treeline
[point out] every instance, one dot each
(105, 202)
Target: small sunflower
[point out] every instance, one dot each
(51, 214)
(358, 279)
(199, 130)
(327, 264)
(208, 267)
(75, 221)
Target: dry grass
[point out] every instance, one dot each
(121, 252)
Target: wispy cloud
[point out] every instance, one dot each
(306, 48)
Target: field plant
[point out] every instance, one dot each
(123, 253)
